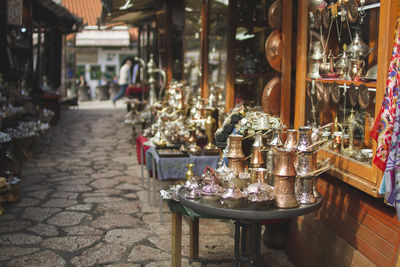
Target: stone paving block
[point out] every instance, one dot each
(126, 237)
(124, 265)
(80, 207)
(145, 253)
(27, 202)
(69, 243)
(67, 218)
(35, 187)
(127, 207)
(104, 183)
(8, 252)
(111, 220)
(59, 203)
(131, 196)
(74, 188)
(99, 254)
(19, 239)
(128, 186)
(82, 230)
(13, 226)
(67, 195)
(41, 259)
(44, 229)
(42, 194)
(39, 214)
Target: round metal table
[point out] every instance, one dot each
(247, 217)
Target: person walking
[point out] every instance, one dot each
(124, 79)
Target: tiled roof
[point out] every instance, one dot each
(89, 10)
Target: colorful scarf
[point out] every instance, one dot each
(387, 132)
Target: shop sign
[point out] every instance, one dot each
(86, 57)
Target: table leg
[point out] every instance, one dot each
(161, 203)
(194, 239)
(154, 183)
(141, 163)
(148, 186)
(176, 239)
(237, 241)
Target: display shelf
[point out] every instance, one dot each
(369, 84)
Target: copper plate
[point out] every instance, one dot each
(325, 17)
(273, 49)
(271, 97)
(352, 11)
(319, 90)
(353, 95)
(335, 92)
(363, 96)
(275, 14)
(317, 19)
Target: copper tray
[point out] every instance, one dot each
(352, 11)
(363, 96)
(271, 97)
(353, 95)
(275, 14)
(273, 49)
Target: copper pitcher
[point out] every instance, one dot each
(193, 147)
(291, 139)
(285, 176)
(235, 146)
(276, 140)
(257, 159)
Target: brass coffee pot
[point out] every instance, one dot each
(356, 68)
(193, 147)
(285, 176)
(257, 159)
(189, 173)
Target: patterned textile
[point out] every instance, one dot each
(387, 132)
(383, 128)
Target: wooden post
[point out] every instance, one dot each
(176, 250)
(286, 66)
(205, 8)
(194, 238)
(230, 67)
(301, 65)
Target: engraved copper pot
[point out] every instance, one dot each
(291, 139)
(235, 146)
(304, 139)
(305, 163)
(270, 165)
(236, 165)
(285, 176)
(306, 190)
(276, 140)
(257, 159)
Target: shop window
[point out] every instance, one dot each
(95, 72)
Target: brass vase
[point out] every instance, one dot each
(285, 176)
(210, 127)
(189, 173)
(193, 147)
(291, 139)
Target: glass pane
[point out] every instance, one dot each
(192, 42)
(341, 82)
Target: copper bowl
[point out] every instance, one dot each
(271, 97)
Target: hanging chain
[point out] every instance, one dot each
(362, 12)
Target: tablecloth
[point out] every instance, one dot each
(175, 168)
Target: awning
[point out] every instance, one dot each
(102, 38)
(129, 11)
(50, 15)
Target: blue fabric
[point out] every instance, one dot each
(121, 92)
(175, 168)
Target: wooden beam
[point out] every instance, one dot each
(205, 11)
(301, 64)
(176, 237)
(230, 67)
(286, 66)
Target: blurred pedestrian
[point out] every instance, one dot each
(124, 79)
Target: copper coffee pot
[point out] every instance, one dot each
(291, 139)
(235, 146)
(304, 139)
(305, 166)
(257, 159)
(285, 176)
(193, 147)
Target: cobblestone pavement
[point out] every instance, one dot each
(83, 203)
